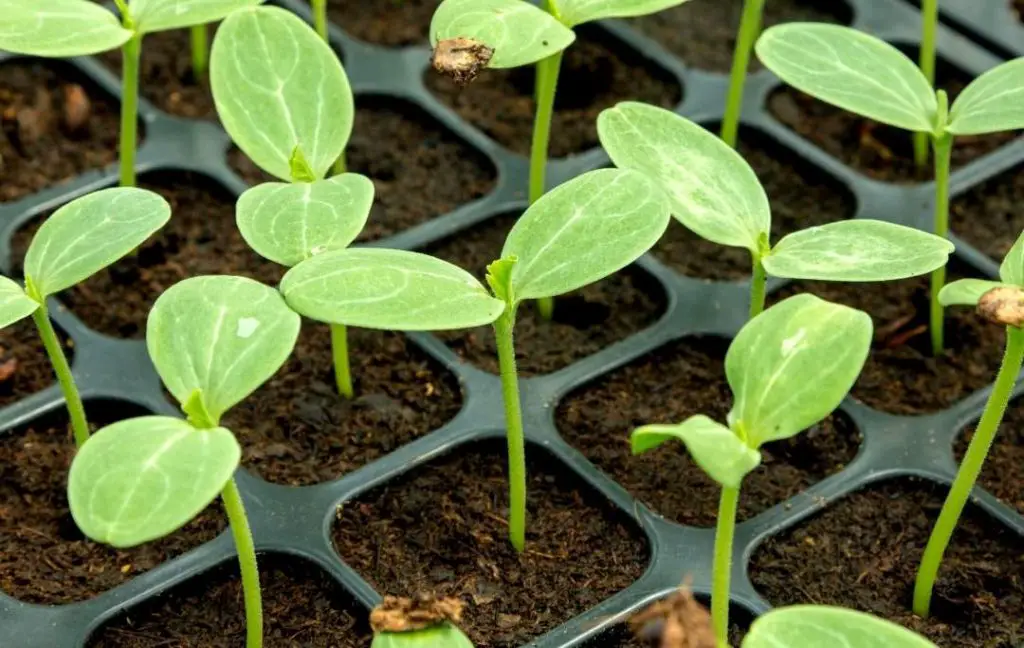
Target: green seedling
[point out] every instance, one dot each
(64, 28)
(77, 241)
(214, 340)
(926, 60)
(867, 76)
(469, 35)
(750, 29)
(788, 369)
(804, 626)
(1001, 303)
(715, 193)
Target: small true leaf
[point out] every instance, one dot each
(577, 12)
(140, 479)
(288, 223)
(857, 250)
(440, 636)
(159, 15)
(1011, 270)
(584, 230)
(712, 189)
(715, 448)
(387, 289)
(89, 233)
(803, 626)
(59, 28)
(991, 103)
(518, 32)
(790, 366)
(222, 335)
(966, 292)
(852, 70)
(14, 303)
(278, 86)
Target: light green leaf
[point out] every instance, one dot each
(1011, 270)
(518, 32)
(387, 289)
(715, 448)
(857, 250)
(141, 479)
(966, 292)
(14, 303)
(159, 15)
(791, 366)
(59, 28)
(221, 335)
(584, 230)
(90, 233)
(278, 86)
(441, 636)
(712, 189)
(991, 103)
(288, 223)
(577, 12)
(804, 626)
(852, 70)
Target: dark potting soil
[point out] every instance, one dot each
(991, 215)
(302, 608)
(677, 381)
(800, 196)
(1003, 473)
(419, 169)
(880, 152)
(585, 321)
(54, 125)
(24, 366)
(391, 23)
(863, 552)
(443, 529)
(703, 34)
(44, 558)
(597, 73)
(901, 376)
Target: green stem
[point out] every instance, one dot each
(929, 20)
(247, 564)
(970, 468)
(320, 17)
(200, 52)
(758, 283)
(339, 166)
(722, 570)
(750, 28)
(943, 153)
(339, 351)
(130, 108)
(514, 425)
(76, 410)
(547, 84)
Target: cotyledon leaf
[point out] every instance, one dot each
(993, 102)
(850, 69)
(712, 189)
(1011, 270)
(278, 86)
(577, 12)
(445, 635)
(59, 28)
(141, 479)
(715, 448)
(518, 32)
(222, 336)
(159, 15)
(89, 233)
(14, 303)
(584, 230)
(288, 223)
(388, 289)
(804, 626)
(966, 292)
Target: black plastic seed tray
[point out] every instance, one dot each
(297, 521)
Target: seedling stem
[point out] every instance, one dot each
(758, 281)
(750, 28)
(929, 20)
(943, 143)
(547, 83)
(722, 568)
(129, 105)
(200, 52)
(63, 370)
(514, 425)
(339, 349)
(239, 522)
(320, 18)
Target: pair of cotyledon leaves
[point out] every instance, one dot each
(865, 75)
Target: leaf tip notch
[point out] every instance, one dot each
(461, 59)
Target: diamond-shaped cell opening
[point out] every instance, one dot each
(663, 618)
(703, 34)
(668, 385)
(863, 552)
(800, 194)
(442, 528)
(55, 124)
(302, 606)
(597, 72)
(990, 215)
(584, 321)
(24, 366)
(47, 560)
(880, 152)
(420, 169)
(388, 23)
(1003, 472)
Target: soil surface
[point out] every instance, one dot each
(585, 321)
(679, 381)
(391, 23)
(442, 529)
(880, 152)
(24, 366)
(991, 215)
(419, 169)
(597, 73)
(44, 558)
(54, 125)
(863, 551)
(1003, 473)
(302, 608)
(800, 196)
(703, 34)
